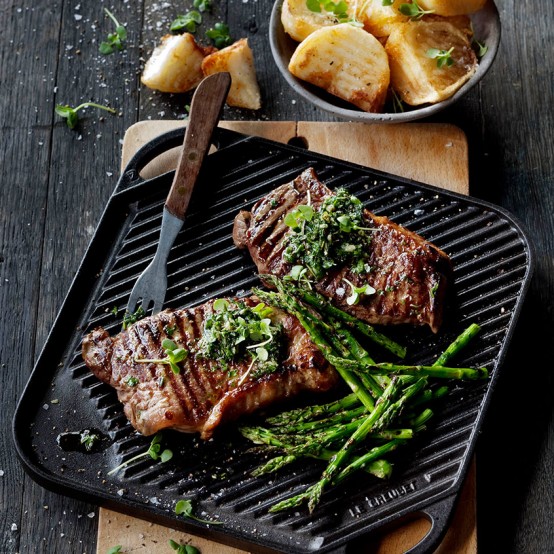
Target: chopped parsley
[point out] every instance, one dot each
(330, 237)
(129, 319)
(235, 331)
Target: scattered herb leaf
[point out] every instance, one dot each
(184, 508)
(174, 355)
(88, 439)
(70, 114)
(443, 57)
(482, 48)
(388, 2)
(114, 40)
(170, 330)
(413, 11)
(203, 5)
(114, 310)
(132, 381)
(219, 34)
(357, 292)
(115, 549)
(187, 22)
(129, 319)
(153, 451)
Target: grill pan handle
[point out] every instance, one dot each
(439, 516)
(131, 178)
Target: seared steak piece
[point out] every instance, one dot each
(205, 392)
(408, 273)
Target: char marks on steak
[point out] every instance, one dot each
(203, 394)
(409, 273)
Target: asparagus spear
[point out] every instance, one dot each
(462, 373)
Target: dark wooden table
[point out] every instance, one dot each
(55, 183)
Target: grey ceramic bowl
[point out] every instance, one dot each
(486, 24)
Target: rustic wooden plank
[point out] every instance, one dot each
(25, 148)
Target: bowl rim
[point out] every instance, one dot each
(277, 36)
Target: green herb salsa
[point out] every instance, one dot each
(335, 235)
(236, 331)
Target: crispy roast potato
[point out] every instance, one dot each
(452, 7)
(238, 60)
(415, 75)
(299, 21)
(345, 61)
(378, 19)
(175, 65)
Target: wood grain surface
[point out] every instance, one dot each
(446, 165)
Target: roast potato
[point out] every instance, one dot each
(416, 76)
(175, 65)
(238, 60)
(378, 19)
(345, 61)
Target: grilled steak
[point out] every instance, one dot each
(205, 392)
(408, 273)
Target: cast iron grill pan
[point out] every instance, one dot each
(492, 261)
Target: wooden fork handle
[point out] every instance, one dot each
(205, 111)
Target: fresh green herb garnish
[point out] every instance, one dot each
(413, 11)
(70, 114)
(170, 330)
(295, 218)
(329, 237)
(114, 310)
(300, 274)
(129, 319)
(153, 451)
(481, 48)
(115, 549)
(187, 22)
(357, 292)
(114, 40)
(203, 5)
(339, 9)
(174, 355)
(183, 548)
(235, 331)
(219, 34)
(443, 57)
(434, 290)
(88, 439)
(184, 508)
(388, 2)
(132, 381)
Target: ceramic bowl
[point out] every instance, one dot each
(486, 25)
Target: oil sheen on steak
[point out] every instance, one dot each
(409, 273)
(202, 395)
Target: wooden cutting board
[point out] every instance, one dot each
(432, 153)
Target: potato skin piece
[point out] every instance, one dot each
(238, 60)
(347, 62)
(415, 77)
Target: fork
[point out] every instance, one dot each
(205, 111)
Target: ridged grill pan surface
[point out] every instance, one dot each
(492, 266)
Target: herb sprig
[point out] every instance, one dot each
(184, 508)
(358, 292)
(443, 57)
(187, 22)
(174, 355)
(153, 451)
(219, 35)
(115, 40)
(413, 10)
(183, 548)
(129, 319)
(70, 114)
